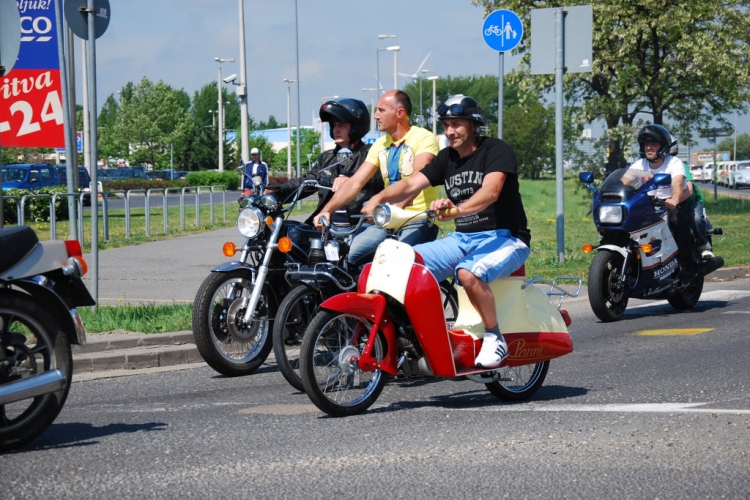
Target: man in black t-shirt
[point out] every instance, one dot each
(480, 176)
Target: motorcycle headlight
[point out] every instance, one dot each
(250, 222)
(270, 202)
(610, 214)
(381, 215)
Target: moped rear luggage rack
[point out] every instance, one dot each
(554, 289)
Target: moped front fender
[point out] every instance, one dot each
(371, 306)
(227, 267)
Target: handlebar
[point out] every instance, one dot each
(657, 202)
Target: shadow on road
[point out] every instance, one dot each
(80, 434)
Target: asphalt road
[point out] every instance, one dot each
(631, 413)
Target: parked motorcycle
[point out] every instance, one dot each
(235, 306)
(637, 253)
(40, 288)
(393, 327)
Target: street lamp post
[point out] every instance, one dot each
(421, 108)
(434, 79)
(373, 133)
(377, 67)
(242, 89)
(221, 113)
(289, 127)
(394, 48)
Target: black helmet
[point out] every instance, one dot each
(655, 133)
(347, 110)
(461, 106)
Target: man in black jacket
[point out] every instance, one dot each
(349, 121)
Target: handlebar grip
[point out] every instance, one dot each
(448, 212)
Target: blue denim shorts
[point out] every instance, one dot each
(489, 255)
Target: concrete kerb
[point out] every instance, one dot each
(133, 353)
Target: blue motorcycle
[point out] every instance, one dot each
(637, 253)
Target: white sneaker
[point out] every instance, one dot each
(707, 254)
(493, 352)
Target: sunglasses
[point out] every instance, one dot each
(456, 110)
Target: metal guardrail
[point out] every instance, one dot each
(21, 203)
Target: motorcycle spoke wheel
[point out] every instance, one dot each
(33, 345)
(295, 314)
(607, 295)
(332, 378)
(225, 342)
(518, 383)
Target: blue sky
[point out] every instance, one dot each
(177, 41)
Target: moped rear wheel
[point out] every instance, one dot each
(226, 343)
(608, 296)
(295, 314)
(331, 347)
(518, 383)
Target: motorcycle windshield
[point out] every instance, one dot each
(623, 183)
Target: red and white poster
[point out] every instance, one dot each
(31, 113)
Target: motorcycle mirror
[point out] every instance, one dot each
(662, 179)
(586, 177)
(343, 154)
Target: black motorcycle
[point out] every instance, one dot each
(235, 306)
(40, 288)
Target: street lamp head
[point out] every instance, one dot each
(386, 36)
(393, 48)
(435, 77)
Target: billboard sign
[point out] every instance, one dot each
(31, 112)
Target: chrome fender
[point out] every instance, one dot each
(622, 251)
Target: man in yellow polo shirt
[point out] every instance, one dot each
(402, 152)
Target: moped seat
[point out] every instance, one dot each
(15, 243)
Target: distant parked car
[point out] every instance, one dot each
(741, 176)
(116, 174)
(708, 172)
(165, 175)
(697, 172)
(29, 176)
(84, 180)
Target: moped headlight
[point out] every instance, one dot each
(270, 202)
(250, 222)
(381, 215)
(610, 214)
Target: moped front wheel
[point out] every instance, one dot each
(228, 344)
(608, 296)
(331, 348)
(518, 383)
(295, 314)
(34, 345)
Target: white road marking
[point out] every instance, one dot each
(616, 408)
(726, 295)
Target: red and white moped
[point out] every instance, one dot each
(394, 326)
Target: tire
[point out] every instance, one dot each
(225, 343)
(332, 379)
(688, 296)
(607, 297)
(518, 383)
(295, 314)
(45, 348)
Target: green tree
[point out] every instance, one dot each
(743, 146)
(680, 59)
(153, 117)
(530, 129)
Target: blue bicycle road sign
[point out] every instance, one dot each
(502, 30)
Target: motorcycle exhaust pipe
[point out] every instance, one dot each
(710, 266)
(33, 386)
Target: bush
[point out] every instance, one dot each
(229, 179)
(35, 209)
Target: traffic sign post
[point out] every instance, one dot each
(502, 31)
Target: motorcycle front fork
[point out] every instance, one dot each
(623, 271)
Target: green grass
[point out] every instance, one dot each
(539, 197)
(143, 318)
